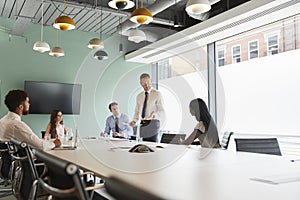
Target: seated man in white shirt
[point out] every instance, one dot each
(11, 126)
(117, 123)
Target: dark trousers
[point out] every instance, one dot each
(148, 131)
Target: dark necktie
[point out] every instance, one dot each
(116, 126)
(145, 105)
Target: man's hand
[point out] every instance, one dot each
(132, 123)
(102, 134)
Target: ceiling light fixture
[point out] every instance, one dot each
(96, 42)
(136, 35)
(197, 6)
(101, 54)
(141, 15)
(41, 46)
(56, 52)
(64, 22)
(121, 4)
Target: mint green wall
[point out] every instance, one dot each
(102, 81)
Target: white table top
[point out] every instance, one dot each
(180, 172)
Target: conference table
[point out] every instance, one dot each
(190, 172)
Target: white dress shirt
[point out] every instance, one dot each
(154, 105)
(11, 126)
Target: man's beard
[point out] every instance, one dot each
(25, 112)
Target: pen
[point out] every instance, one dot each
(294, 160)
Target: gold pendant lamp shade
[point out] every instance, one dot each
(64, 23)
(141, 16)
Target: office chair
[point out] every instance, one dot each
(25, 174)
(5, 165)
(225, 140)
(63, 179)
(148, 130)
(172, 138)
(122, 190)
(258, 145)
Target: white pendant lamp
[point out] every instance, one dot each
(41, 46)
(197, 6)
(136, 35)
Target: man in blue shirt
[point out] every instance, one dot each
(117, 123)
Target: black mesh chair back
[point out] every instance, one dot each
(5, 165)
(225, 140)
(258, 145)
(172, 138)
(25, 175)
(122, 190)
(62, 180)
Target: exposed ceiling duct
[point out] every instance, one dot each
(239, 19)
(155, 8)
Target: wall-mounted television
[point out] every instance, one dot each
(46, 96)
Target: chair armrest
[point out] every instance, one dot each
(94, 187)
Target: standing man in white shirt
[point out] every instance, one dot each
(149, 107)
(11, 126)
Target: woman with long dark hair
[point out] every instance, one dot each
(206, 129)
(56, 127)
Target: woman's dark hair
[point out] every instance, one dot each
(14, 98)
(53, 123)
(198, 106)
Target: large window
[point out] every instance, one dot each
(253, 49)
(221, 57)
(181, 79)
(272, 44)
(236, 54)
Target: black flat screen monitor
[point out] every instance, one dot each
(46, 96)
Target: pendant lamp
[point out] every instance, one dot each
(136, 35)
(56, 52)
(141, 15)
(101, 54)
(96, 42)
(41, 46)
(64, 22)
(197, 6)
(121, 4)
